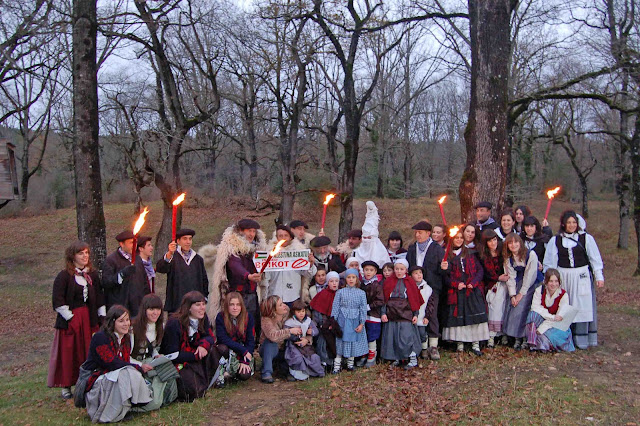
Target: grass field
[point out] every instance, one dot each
(503, 387)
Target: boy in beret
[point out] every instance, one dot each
(123, 283)
(184, 268)
(299, 229)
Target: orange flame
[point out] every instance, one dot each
(552, 193)
(140, 221)
(454, 231)
(328, 198)
(277, 248)
(179, 199)
(441, 200)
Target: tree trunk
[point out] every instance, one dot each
(623, 177)
(485, 175)
(584, 189)
(635, 179)
(407, 121)
(86, 151)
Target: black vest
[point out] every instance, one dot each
(580, 257)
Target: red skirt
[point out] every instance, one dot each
(70, 349)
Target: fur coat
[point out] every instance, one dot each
(215, 258)
(307, 239)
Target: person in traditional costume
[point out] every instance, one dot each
(116, 383)
(535, 237)
(323, 256)
(350, 311)
(370, 246)
(521, 266)
(467, 314)
(495, 283)
(79, 303)
(347, 248)
(235, 329)
(145, 251)
(273, 335)
(439, 235)
(318, 283)
(321, 306)
(521, 213)
(387, 270)
(146, 335)
(428, 255)
(299, 353)
(471, 236)
(185, 271)
(375, 300)
(123, 283)
(550, 305)
(299, 229)
(400, 335)
(483, 216)
(289, 285)
(575, 254)
(231, 267)
(394, 247)
(427, 315)
(190, 343)
(507, 222)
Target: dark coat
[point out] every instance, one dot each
(67, 292)
(133, 288)
(241, 346)
(176, 339)
(431, 265)
(183, 278)
(104, 356)
(238, 270)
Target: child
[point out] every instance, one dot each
(321, 313)
(350, 311)
(550, 304)
(299, 354)
(319, 282)
(427, 316)
(387, 271)
(400, 336)
(375, 300)
(522, 267)
(467, 316)
(495, 283)
(185, 272)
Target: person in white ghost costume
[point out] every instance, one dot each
(371, 248)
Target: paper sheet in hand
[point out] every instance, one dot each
(162, 359)
(568, 316)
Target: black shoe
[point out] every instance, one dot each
(267, 379)
(477, 352)
(290, 378)
(350, 369)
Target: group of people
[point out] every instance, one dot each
(509, 282)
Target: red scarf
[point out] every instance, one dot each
(553, 309)
(323, 302)
(413, 294)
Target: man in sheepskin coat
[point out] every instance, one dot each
(299, 229)
(230, 267)
(289, 285)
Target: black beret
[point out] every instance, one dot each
(423, 225)
(355, 233)
(185, 231)
(124, 236)
(369, 263)
(484, 204)
(142, 241)
(416, 268)
(248, 224)
(296, 223)
(320, 241)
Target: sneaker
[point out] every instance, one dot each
(517, 345)
(267, 379)
(361, 361)
(413, 363)
(491, 343)
(424, 354)
(434, 355)
(290, 378)
(370, 362)
(66, 393)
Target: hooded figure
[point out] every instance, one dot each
(233, 243)
(371, 248)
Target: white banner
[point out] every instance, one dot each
(294, 260)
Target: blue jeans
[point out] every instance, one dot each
(269, 352)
